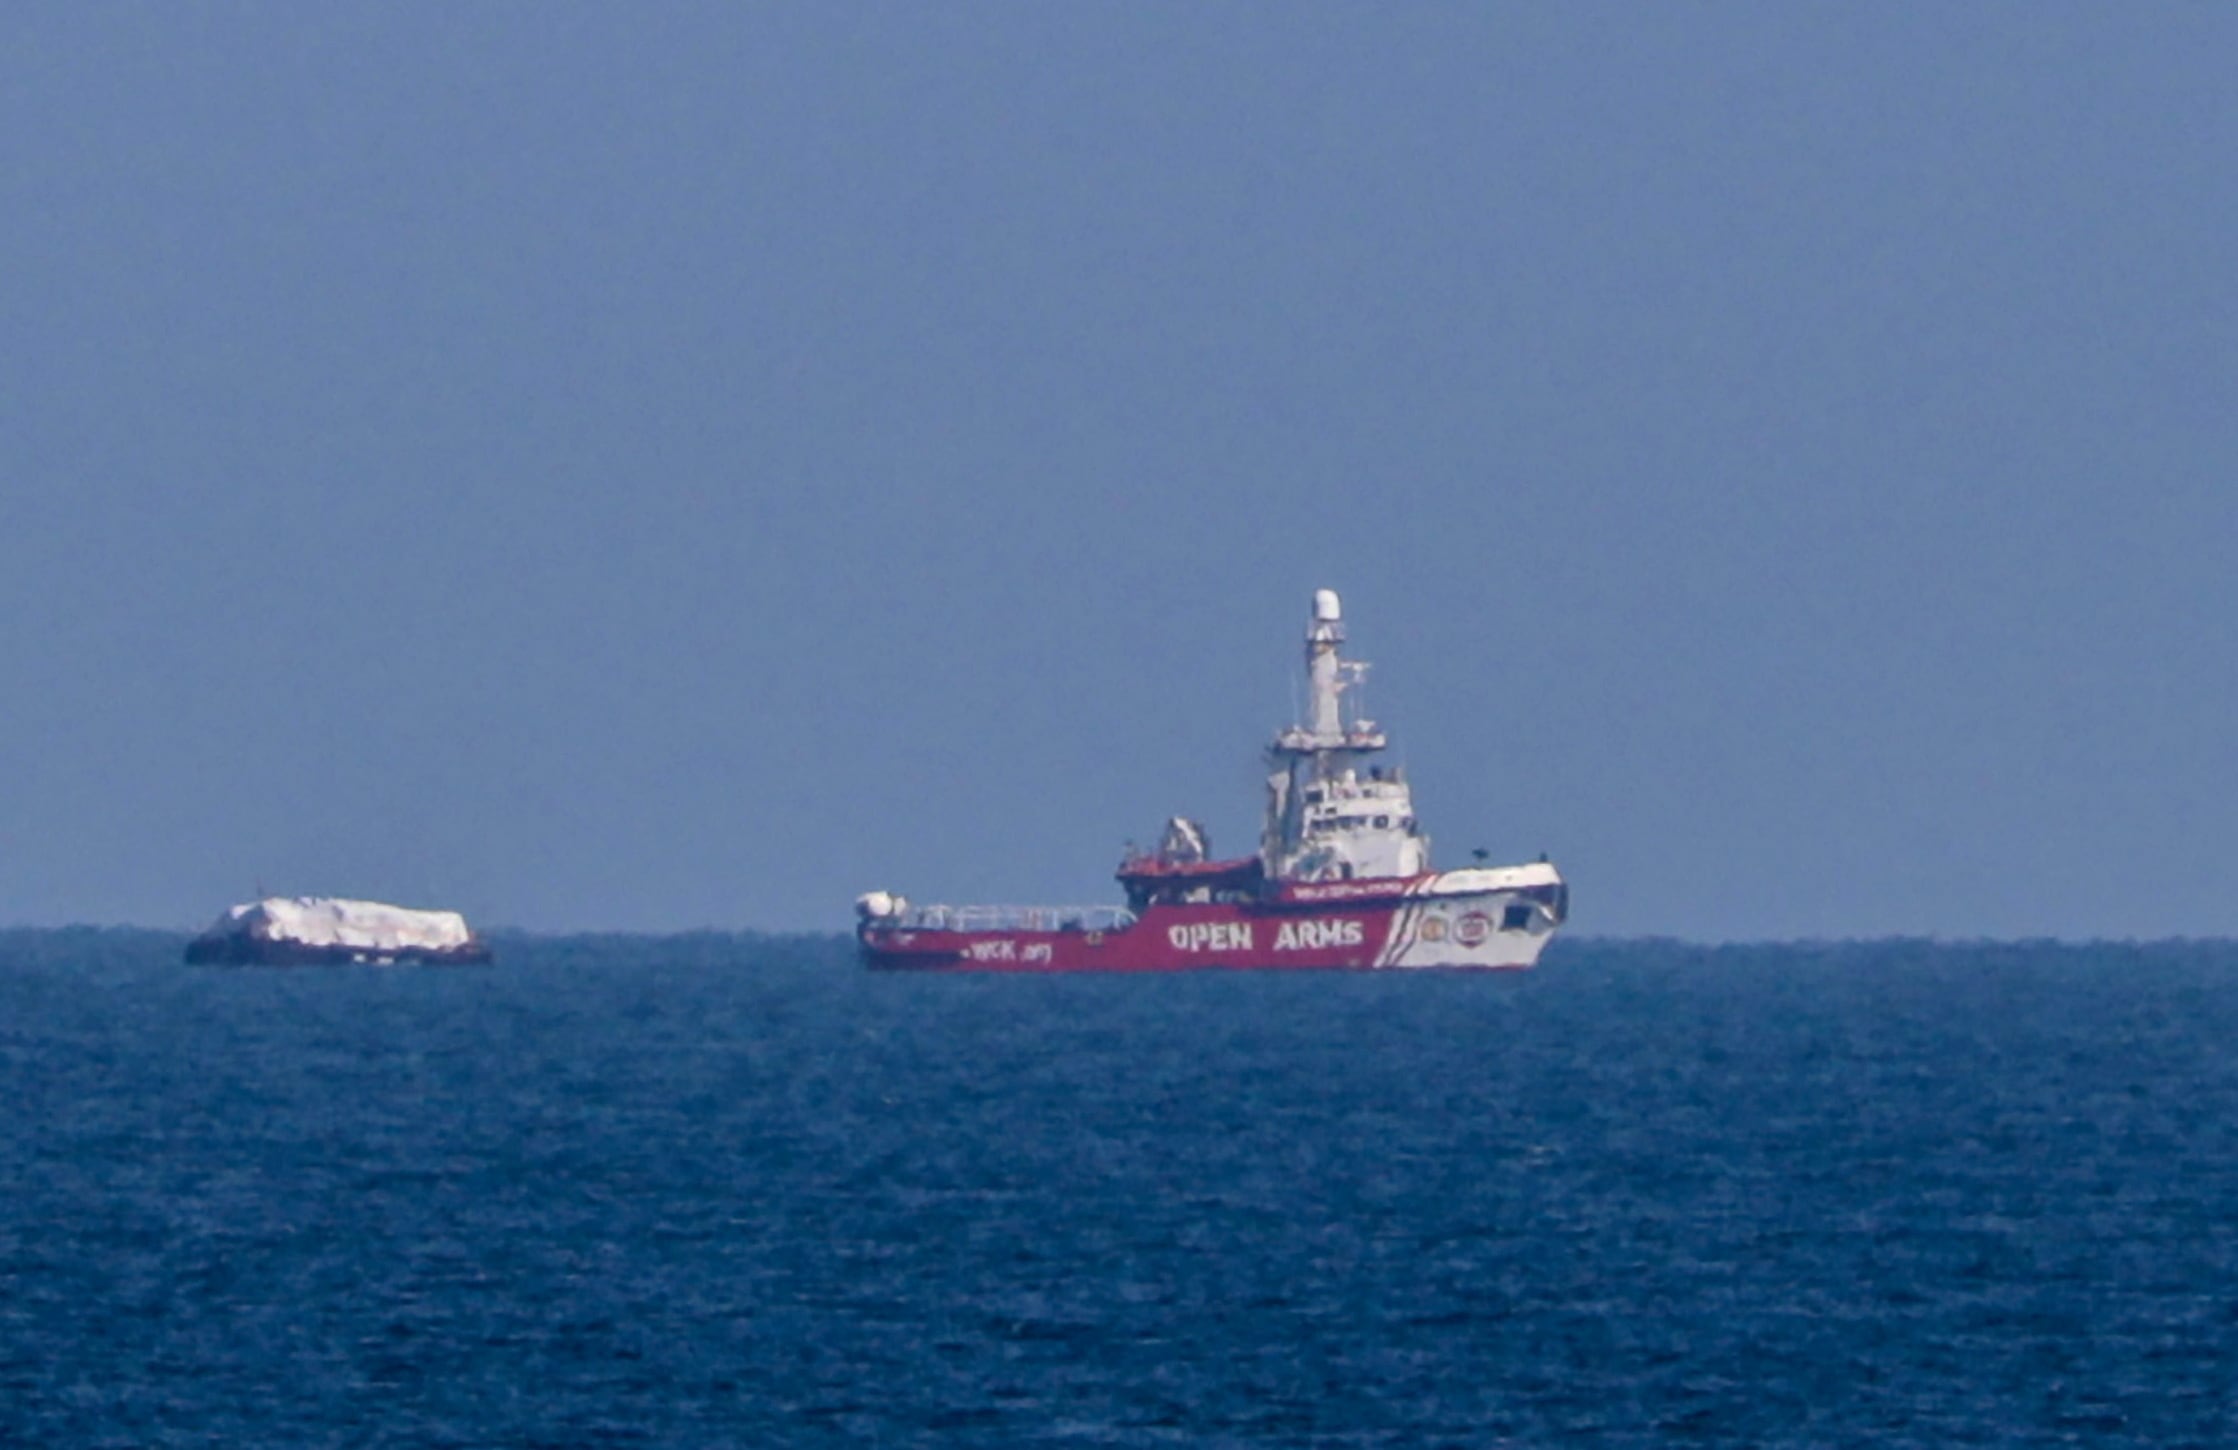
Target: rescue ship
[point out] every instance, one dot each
(1342, 877)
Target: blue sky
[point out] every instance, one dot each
(677, 465)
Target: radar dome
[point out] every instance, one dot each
(1326, 609)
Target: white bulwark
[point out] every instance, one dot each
(1487, 917)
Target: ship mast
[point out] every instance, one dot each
(1324, 667)
(1328, 741)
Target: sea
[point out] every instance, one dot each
(721, 1190)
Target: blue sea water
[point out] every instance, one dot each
(733, 1191)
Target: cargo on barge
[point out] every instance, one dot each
(303, 931)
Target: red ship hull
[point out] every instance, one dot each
(1460, 919)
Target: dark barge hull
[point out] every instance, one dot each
(256, 952)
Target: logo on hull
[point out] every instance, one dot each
(1313, 935)
(1211, 936)
(1290, 936)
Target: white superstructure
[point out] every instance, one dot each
(1330, 815)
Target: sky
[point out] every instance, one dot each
(683, 465)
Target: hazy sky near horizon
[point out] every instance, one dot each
(677, 465)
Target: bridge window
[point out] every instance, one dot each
(1517, 917)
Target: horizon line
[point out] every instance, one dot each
(1935, 939)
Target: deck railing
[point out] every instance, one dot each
(1016, 918)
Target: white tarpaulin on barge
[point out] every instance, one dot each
(328, 921)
